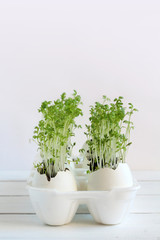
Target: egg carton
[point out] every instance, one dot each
(58, 208)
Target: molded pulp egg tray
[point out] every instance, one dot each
(107, 207)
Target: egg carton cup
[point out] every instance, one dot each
(58, 208)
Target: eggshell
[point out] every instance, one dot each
(107, 179)
(63, 181)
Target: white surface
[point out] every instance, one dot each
(95, 46)
(21, 204)
(136, 226)
(19, 188)
(14, 175)
(23, 175)
(142, 223)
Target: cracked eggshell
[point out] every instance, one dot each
(63, 181)
(107, 179)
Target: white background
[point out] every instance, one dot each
(96, 47)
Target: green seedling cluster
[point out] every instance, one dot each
(108, 135)
(53, 133)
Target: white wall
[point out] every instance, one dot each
(96, 47)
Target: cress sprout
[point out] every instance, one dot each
(53, 133)
(108, 135)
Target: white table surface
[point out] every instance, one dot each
(136, 226)
(18, 221)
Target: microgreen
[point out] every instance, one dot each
(108, 135)
(53, 133)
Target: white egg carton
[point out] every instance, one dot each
(107, 207)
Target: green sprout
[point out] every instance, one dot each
(53, 133)
(108, 135)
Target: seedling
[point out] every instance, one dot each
(108, 135)
(53, 133)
